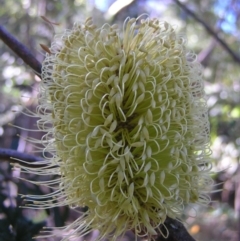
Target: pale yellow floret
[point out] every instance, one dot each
(130, 131)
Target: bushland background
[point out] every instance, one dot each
(213, 31)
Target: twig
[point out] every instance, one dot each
(204, 55)
(210, 31)
(10, 115)
(177, 231)
(21, 50)
(237, 199)
(9, 155)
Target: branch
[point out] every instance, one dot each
(21, 50)
(177, 231)
(9, 155)
(116, 7)
(204, 55)
(210, 31)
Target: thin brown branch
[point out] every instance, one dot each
(204, 55)
(21, 50)
(177, 231)
(234, 56)
(16, 156)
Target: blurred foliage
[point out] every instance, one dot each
(222, 75)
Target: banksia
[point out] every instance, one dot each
(126, 122)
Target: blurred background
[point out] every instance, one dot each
(18, 84)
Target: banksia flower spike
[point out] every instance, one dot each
(126, 122)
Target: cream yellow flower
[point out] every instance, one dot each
(126, 121)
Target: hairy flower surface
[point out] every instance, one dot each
(126, 122)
